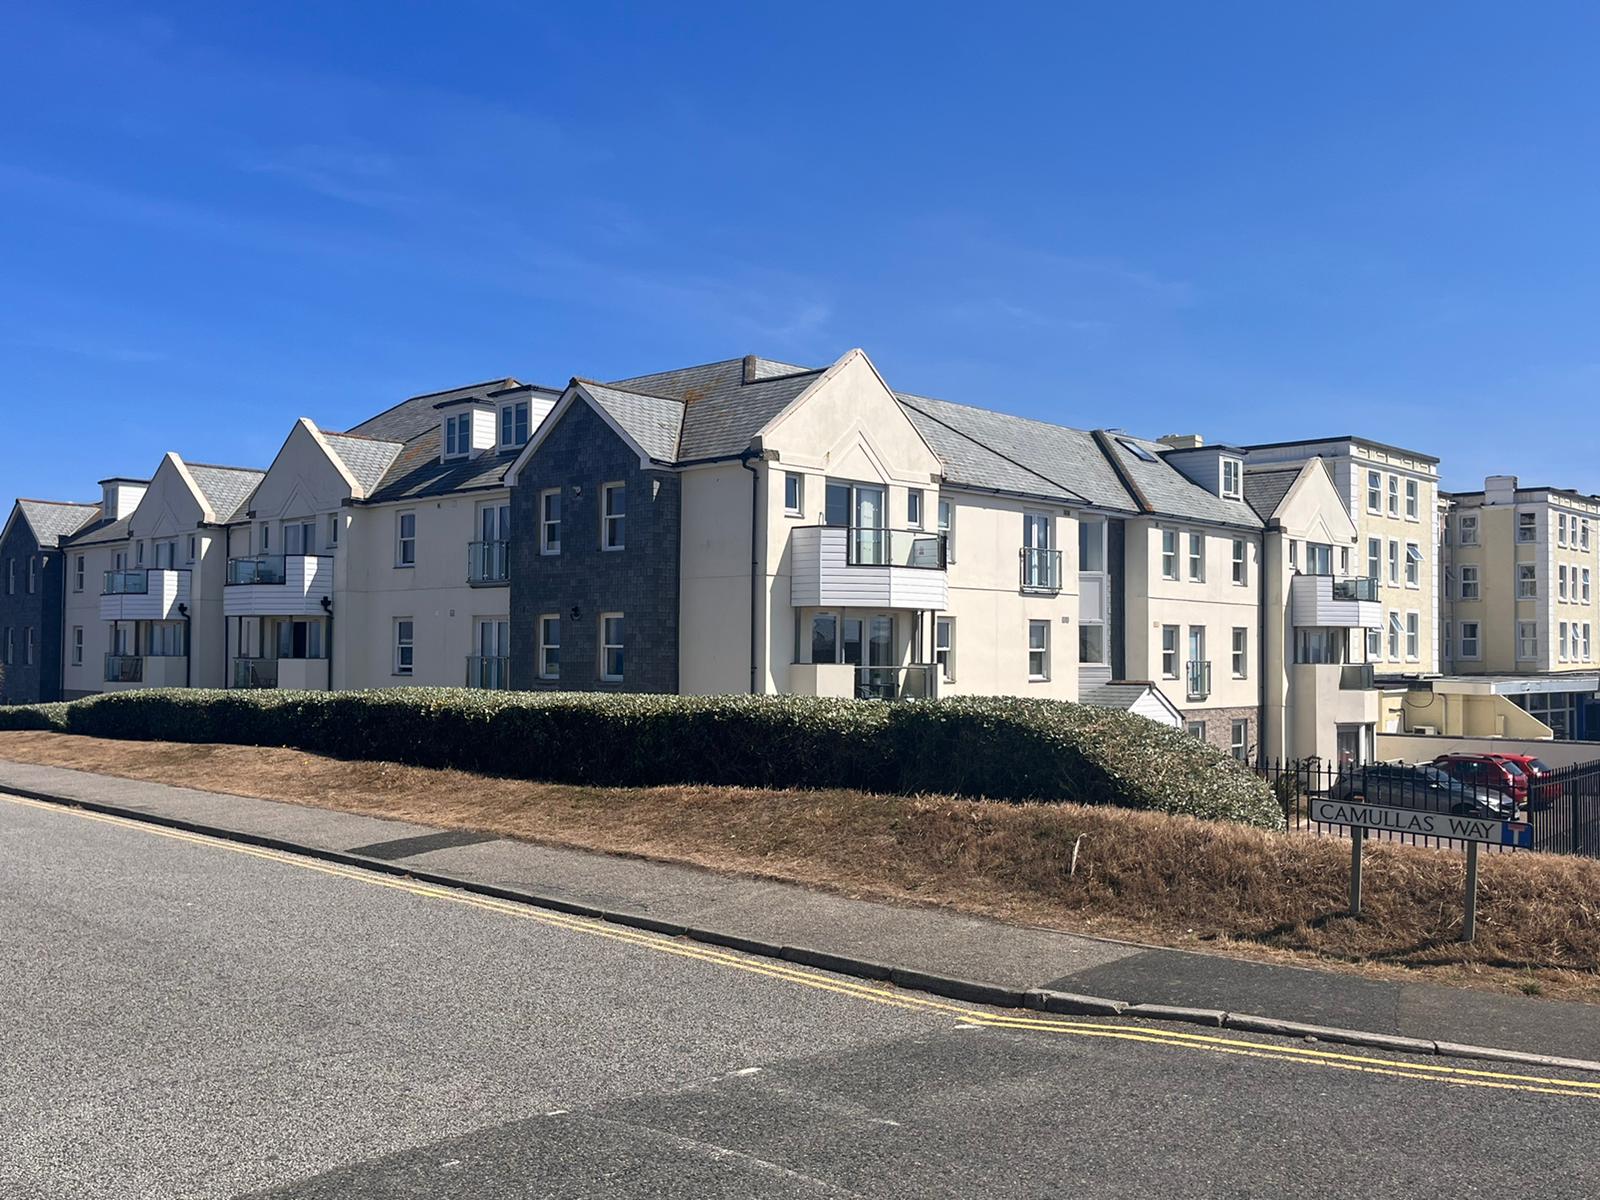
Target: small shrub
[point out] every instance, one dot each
(34, 716)
(998, 747)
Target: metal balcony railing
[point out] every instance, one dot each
(489, 673)
(895, 548)
(1041, 569)
(1198, 678)
(255, 672)
(126, 583)
(262, 568)
(1356, 588)
(487, 562)
(918, 682)
(124, 668)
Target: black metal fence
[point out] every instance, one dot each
(1561, 805)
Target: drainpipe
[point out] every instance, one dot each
(1261, 652)
(327, 607)
(188, 650)
(745, 460)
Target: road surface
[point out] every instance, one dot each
(185, 1017)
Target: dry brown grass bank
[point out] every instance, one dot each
(1165, 880)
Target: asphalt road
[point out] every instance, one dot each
(187, 1018)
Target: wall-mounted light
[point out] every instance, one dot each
(577, 613)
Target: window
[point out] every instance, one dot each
(1527, 639)
(1230, 479)
(614, 509)
(1411, 500)
(824, 637)
(1561, 529)
(1038, 650)
(1413, 636)
(1239, 740)
(11, 577)
(550, 521)
(300, 537)
(1469, 529)
(1135, 449)
(1588, 646)
(1195, 729)
(11, 648)
(1585, 586)
(33, 574)
(458, 435)
(1394, 495)
(1561, 582)
(333, 531)
(1239, 561)
(1527, 527)
(611, 647)
(947, 526)
(1394, 562)
(1396, 628)
(1563, 641)
(1413, 565)
(27, 646)
(1527, 581)
(1319, 558)
(404, 646)
(1197, 557)
(1583, 534)
(1241, 647)
(550, 646)
(944, 647)
(914, 508)
(266, 539)
(138, 554)
(1092, 642)
(164, 639)
(1169, 651)
(1469, 639)
(793, 493)
(77, 573)
(1294, 554)
(405, 548)
(1169, 554)
(514, 424)
(1374, 492)
(194, 545)
(77, 645)
(1374, 645)
(1469, 581)
(1374, 559)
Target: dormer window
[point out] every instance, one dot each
(513, 424)
(1232, 470)
(458, 435)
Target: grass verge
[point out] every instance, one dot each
(1165, 880)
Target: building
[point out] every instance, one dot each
(30, 597)
(1520, 605)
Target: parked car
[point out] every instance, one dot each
(1486, 771)
(1424, 786)
(1541, 788)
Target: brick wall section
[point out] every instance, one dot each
(41, 612)
(641, 581)
(1219, 725)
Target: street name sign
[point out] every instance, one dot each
(1422, 823)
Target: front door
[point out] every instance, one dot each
(879, 680)
(1348, 745)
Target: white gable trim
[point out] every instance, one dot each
(827, 377)
(575, 392)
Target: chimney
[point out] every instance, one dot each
(1500, 489)
(120, 496)
(1182, 441)
(749, 368)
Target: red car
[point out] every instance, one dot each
(1539, 790)
(1489, 771)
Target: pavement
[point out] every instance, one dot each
(185, 1017)
(918, 939)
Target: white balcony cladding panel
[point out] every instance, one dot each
(165, 591)
(821, 576)
(1313, 603)
(1092, 596)
(306, 580)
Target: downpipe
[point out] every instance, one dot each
(745, 461)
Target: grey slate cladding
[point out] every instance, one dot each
(51, 521)
(721, 411)
(579, 455)
(226, 489)
(367, 459)
(654, 422)
(412, 417)
(40, 611)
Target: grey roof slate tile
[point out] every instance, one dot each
(226, 489)
(410, 418)
(368, 459)
(417, 471)
(54, 520)
(722, 412)
(1265, 488)
(654, 422)
(1170, 492)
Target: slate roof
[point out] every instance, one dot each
(417, 471)
(721, 412)
(226, 489)
(654, 422)
(1168, 491)
(368, 459)
(52, 521)
(1265, 489)
(102, 531)
(412, 418)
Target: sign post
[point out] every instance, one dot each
(1358, 817)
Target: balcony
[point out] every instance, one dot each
(255, 672)
(1356, 677)
(1325, 695)
(144, 595)
(278, 585)
(124, 668)
(1328, 601)
(835, 566)
(487, 563)
(1197, 677)
(1040, 569)
(488, 673)
(846, 681)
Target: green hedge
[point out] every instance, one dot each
(1011, 749)
(33, 716)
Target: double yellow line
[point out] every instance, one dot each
(878, 993)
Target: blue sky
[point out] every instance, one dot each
(1258, 221)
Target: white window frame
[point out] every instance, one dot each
(1171, 650)
(1561, 528)
(27, 646)
(1413, 565)
(333, 531)
(946, 510)
(404, 641)
(1561, 654)
(1527, 640)
(794, 493)
(405, 545)
(1397, 628)
(33, 574)
(509, 414)
(1413, 636)
(78, 572)
(1561, 582)
(546, 645)
(1232, 481)
(944, 648)
(1375, 559)
(914, 506)
(1469, 529)
(1239, 648)
(1527, 527)
(1169, 554)
(1241, 563)
(1239, 739)
(1585, 573)
(1472, 640)
(1527, 581)
(1394, 495)
(1413, 491)
(1394, 562)
(1471, 588)
(1375, 491)
(610, 521)
(1038, 648)
(458, 435)
(77, 645)
(620, 645)
(547, 543)
(1197, 557)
